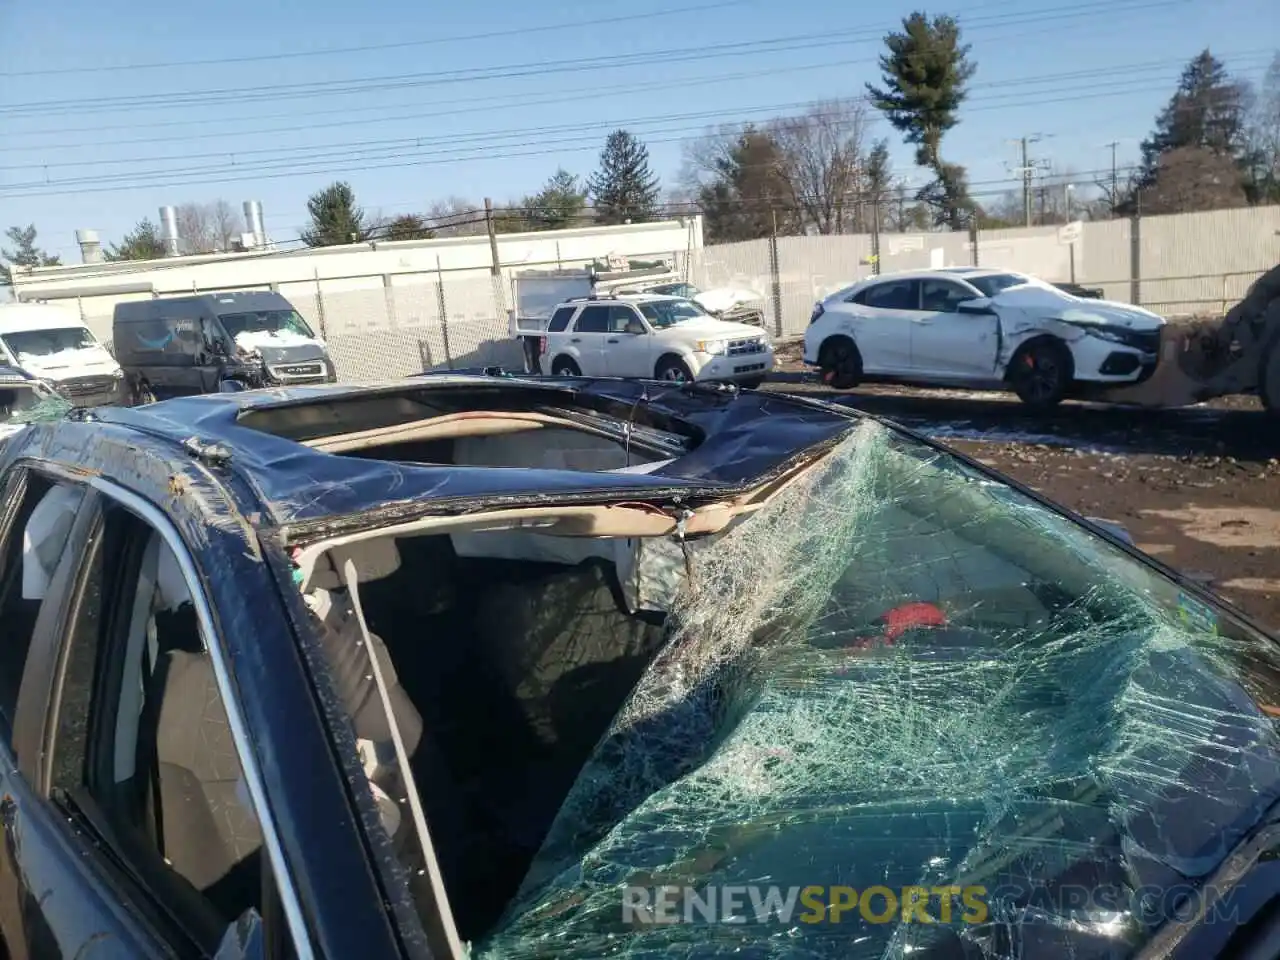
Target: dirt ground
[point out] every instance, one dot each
(1198, 487)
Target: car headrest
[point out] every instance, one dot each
(44, 537)
(171, 586)
(373, 559)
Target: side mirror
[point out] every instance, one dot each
(231, 386)
(635, 327)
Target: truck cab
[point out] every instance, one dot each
(51, 344)
(181, 346)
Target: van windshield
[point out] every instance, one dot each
(271, 322)
(44, 343)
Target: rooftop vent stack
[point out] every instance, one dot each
(169, 230)
(90, 246)
(253, 220)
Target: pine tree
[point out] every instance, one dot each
(925, 74)
(1209, 110)
(749, 191)
(25, 253)
(624, 188)
(142, 243)
(335, 218)
(558, 204)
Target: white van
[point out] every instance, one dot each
(52, 344)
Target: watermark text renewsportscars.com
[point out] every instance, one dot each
(815, 904)
(809, 904)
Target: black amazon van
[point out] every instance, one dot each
(179, 346)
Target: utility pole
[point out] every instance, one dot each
(493, 237)
(1115, 180)
(1027, 169)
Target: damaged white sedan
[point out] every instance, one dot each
(980, 329)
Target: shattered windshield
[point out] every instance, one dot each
(667, 313)
(23, 401)
(269, 322)
(901, 707)
(46, 343)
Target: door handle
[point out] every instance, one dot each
(612, 340)
(922, 320)
(575, 339)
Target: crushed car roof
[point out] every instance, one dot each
(736, 440)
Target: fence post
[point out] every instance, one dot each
(973, 239)
(875, 236)
(775, 276)
(389, 294)
(320, 306)
(1135, 256)
(444, 313)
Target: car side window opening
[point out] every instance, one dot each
(943, 296)
(621, 319)
(593, 319)
(34, 524)
(143, 749)
(560, 320)
(892, 295)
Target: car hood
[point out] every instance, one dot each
(85, 362)
(1052, 303)
(719, 299)
(707, 328)
(1063, 771)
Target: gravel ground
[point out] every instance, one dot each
(1199, 487)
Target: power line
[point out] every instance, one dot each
(273, 170)
(240, 95)
(521, 133)
(374, 47)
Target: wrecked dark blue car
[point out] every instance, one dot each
(512, 668)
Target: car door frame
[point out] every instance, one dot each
(588, 347)
(632, 353)
(135, 915)
(49, 851)
(950, 330)
(882, 334)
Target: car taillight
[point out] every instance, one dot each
(817, 312)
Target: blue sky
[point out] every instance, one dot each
(1081, 75)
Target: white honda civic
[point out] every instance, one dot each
(980, 329)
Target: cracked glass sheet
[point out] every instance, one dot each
(1070, 731)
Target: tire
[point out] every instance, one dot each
(673, 370)
(1041, 373)
(565, 367)
(840, 363)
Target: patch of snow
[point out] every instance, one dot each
(251, 340)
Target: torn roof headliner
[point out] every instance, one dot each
(740, 439)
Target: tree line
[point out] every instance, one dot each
(1215, 144)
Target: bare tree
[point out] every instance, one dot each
(208, 227)
(193, 228)
(456, 217)
(226, 223)
(825, 162)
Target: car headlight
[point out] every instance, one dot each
(1104, 333)
(715, 348)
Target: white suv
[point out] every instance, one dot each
(653, 337)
